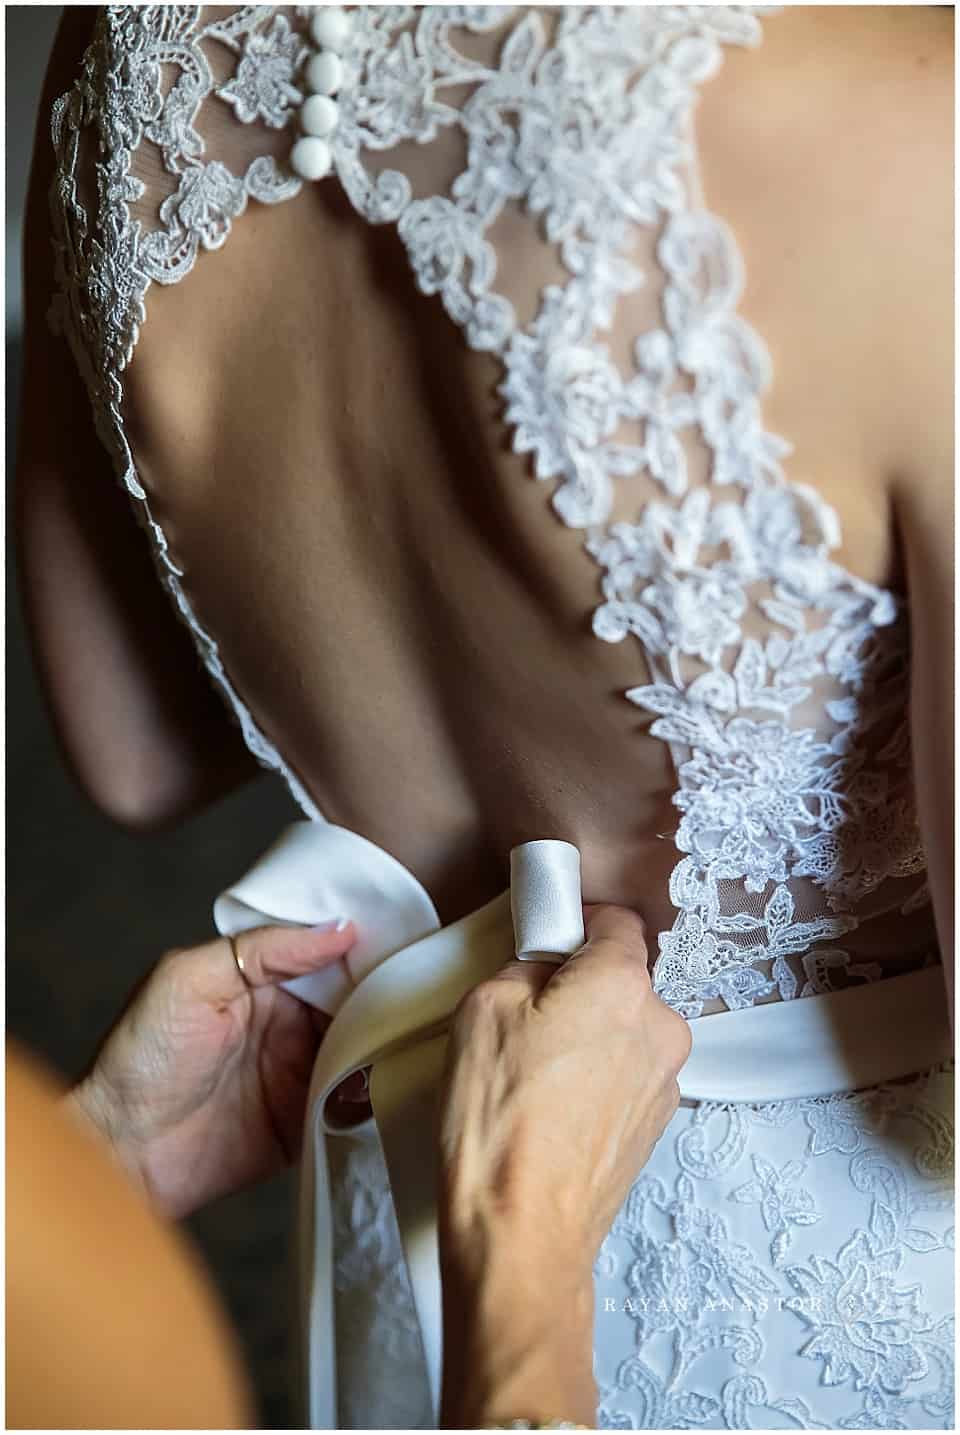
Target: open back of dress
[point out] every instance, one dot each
(539, 169)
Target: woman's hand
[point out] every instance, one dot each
(202, 1084)
(559, 1082)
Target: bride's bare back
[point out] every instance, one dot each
(405, 618)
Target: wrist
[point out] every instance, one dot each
(518, 1333)
(146, 1152)
(91, 1104)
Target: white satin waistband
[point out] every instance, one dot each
(405, 975)
(394, 993)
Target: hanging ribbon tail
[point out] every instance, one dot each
(391, 998)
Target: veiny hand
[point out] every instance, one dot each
(201, 1086)
(559, 1082)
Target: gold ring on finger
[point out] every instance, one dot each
(239, 961)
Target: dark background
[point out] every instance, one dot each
(91, 908)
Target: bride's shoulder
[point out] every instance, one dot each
(906, 189)
(902, 58)
(856, 58)
(876, 157)
(866, 61)
(874, 31)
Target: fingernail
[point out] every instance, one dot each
(333, 924)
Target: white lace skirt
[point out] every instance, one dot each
(779, 1266)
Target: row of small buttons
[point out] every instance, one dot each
(311, 156)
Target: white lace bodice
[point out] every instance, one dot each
(778, 679)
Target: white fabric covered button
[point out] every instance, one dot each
(545, 900)
(330, 27)
(310, 158)
(324, 73)
(319, 115)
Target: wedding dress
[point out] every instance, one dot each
(785, 1258)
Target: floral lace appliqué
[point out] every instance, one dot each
(818, 1299)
